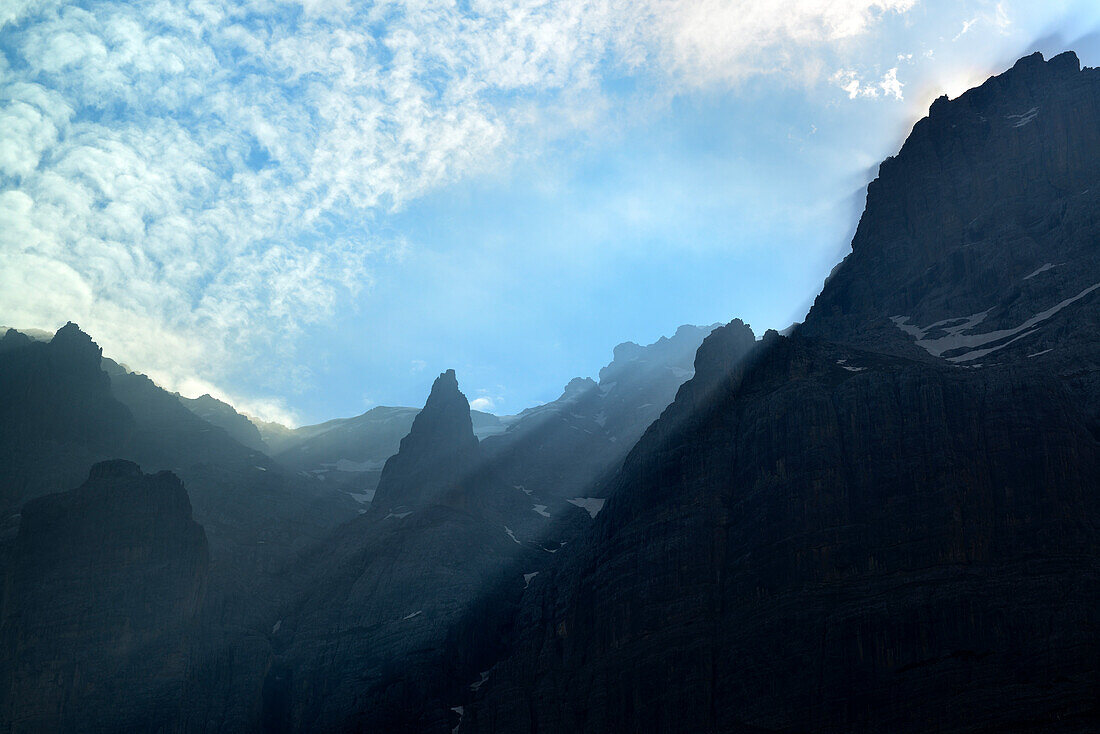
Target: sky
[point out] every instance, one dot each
(312, 208)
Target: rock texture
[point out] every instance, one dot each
(99, 604)
(349, 453)
(224, 416)
(561, 453)
(407, 603)
(65, 408)
(863, 527)
(57, 416)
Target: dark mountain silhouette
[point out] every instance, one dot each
(423, 581)
(888, 520)
(884, 520)
(99, 605)
(224, 416)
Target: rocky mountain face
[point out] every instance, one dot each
(556, 452)
(561, 453)
(349, 453)
(407, 602)
(224, 416)
(63, 412)
(887, 521)
(57, 416)
(100, 600)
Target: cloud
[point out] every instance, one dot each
(196, 182)
(967, 25)
(890, 85)
(851, 82)
(483, 403)
(713, 40)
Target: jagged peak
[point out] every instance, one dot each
(14, 339)
(577, 386)
(445, 416)
(72, 339)
(438, 452)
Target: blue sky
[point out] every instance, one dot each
(311, 208)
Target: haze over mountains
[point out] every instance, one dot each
(887, 519)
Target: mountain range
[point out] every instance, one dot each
(885, 519)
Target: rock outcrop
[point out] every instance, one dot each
(224, 416)
(863, 527)
(404, 605)
(100, 597)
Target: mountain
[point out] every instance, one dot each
(348, 453)
(555, 451)
(62, 412)
(100, 599)
(560, 453)
(888, 520)
(405, 603)
(224, 416)
(57, 415)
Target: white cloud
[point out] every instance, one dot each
(482, 403)
(714, 40)
(190, 181)
(890, 85)
(967, 25)
(852, 82)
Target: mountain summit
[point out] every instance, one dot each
(440, 452)
(887, 521)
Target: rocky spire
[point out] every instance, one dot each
(438, 454)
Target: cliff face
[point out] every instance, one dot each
(103, 586)
(224, 416)
(402, 606)
(862, 527)
(562, 453)
(978, 243)
(57, 415)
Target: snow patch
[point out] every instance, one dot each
(398, 515)
(1041, 269)
(458, 710)
(527, 578)
(277, 626)
(1024, 117)
(591, 505)
(842, 363)
(1040, 354)
(480, 683)
(417, 613)
(956, 337)
(364, 497)
(260, 468)
(541, 509)
(512, 535)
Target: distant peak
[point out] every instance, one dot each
(1032, 59)
(70, 338)
(439, 449)
(578, 386)
(446, 409)
(13, 339)
(1066, 61)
